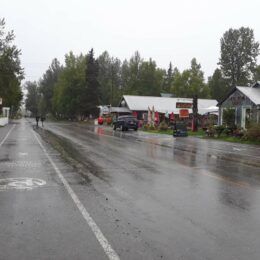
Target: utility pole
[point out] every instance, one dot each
(195, 114)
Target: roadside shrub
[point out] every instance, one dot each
(253, 133)
(211, 131)
(152, 127)
(146, 127)
(163, 126)
(219, 129)
(229, 131)
(239, 132)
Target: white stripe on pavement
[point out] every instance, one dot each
(7, 135)
(110, 252)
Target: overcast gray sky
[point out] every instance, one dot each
(165, 30)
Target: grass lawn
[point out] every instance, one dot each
(233, 139)
(201, 134)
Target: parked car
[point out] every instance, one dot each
(125, 123)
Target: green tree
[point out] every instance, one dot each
(125, 77)
(46, 86)
(190, 82)
(104, 77)
(115, 75)
(70, 89)
(32, 97)
(91, 95)
(109, 78)
(150, 79)
(11, 72)
(180, 83)
(197, 85)
(218, 86)
(239, 51)
(168, 79)
(134, 74)
(139, 77)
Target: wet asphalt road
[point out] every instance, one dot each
(153, 197)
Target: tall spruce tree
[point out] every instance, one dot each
(92, 94)
(168, 79)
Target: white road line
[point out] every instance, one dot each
(7, 135)
(110, 252)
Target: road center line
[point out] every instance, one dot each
(111, 254)
(7, 135)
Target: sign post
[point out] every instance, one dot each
(195, 114)
(1, 103)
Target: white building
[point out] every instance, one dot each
(140, 104)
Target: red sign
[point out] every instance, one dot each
(183, 105)
(184, 113)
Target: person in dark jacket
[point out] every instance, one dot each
(42, 119)
(37, 120)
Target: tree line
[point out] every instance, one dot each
(11, 72)
(75, 88)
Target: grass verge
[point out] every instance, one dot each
(201, 134)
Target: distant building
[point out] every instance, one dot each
(166, 95)
(246, 104)
(165, 105)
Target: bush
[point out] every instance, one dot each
(152, 127)
(219, 129)
(146, 127)
(231, 130)
(163, 126)
(211, 131)
(253, 133)
(239, 132)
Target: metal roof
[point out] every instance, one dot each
(166, 104)
(252, 93)
(120, 110)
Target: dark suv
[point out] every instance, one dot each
(125, 123)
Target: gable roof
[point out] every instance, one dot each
(253, 93)
(166, 104)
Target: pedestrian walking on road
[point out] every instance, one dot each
(37, 121)
(42, 119)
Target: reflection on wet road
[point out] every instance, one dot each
(189, 198)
